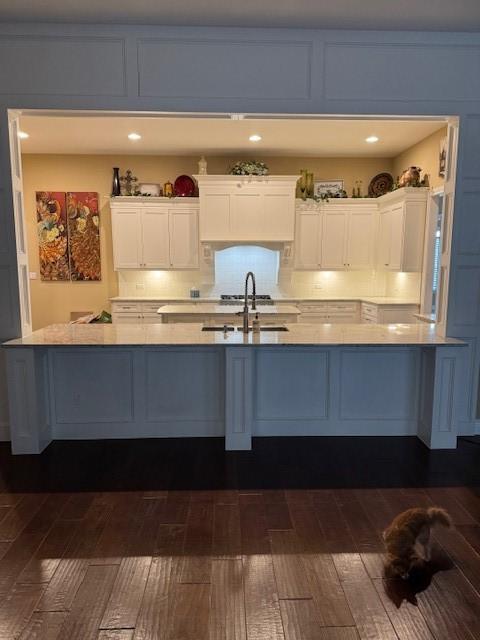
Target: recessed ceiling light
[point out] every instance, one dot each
(134, 136)
(255, 138)
(23, 135)
(371, 139)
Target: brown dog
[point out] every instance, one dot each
(407, 539)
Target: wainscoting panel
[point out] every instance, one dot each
(92, 385)
(378, 384)
(291, 384)
(465, 306)
(399, 71)
(202, 68)
(62, 65)
(468, 224)
(184, 384)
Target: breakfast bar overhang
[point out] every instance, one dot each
(150, 381)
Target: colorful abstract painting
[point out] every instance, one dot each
(84, 235)
(52, 235)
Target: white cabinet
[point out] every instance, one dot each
(335, 235)
(332, 311)
(372, 313)
(133, 312)
(402, 229)
(247, 208)
(154, 234)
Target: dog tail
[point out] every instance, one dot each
(439, 516)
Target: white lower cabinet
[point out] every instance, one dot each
(138, 312)
(388, 313)
(154, 234)
(335, 312)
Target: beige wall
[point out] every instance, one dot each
(424, 154)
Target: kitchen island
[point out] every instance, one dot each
(175, 380)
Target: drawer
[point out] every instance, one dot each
(152, 318)
(152, 307)
(128, 307)
(368, 320)
(319, 307)
(127, 318)
(343, 307)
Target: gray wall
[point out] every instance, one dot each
(249, 70)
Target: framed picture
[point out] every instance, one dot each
(324, 186)
(442, 157)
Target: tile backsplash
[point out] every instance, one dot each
(225, 273)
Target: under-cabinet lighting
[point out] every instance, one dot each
(23, 135)
(134, 136)
(255, 138)
(371, 139)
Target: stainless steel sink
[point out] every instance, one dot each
(218, 328)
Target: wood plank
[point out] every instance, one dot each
(116, 634)
(441, 497)
(77, 506)
(227, 608)
(83, 619)
(227, 541)
(16, 609)
(367, 609)
(462, 554)
(399, 601)
(336, 534)
(463, 600)
(471, 533)
(262, 608)
(72, 568)
(254, 531)
(191, 610)
(19, 516)
(434, 605)
(116, 536)
(301, 622)
(329, 597)
(197, 549)
(278, 516)
(45, 625)
(16, 558)
(290, 575)
(153, 619)
(469, 500)
(47, 557)
(4, 547)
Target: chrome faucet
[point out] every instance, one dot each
(244, 313)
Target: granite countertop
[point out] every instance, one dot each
(225, 309)
(380, 300)
(107, 335)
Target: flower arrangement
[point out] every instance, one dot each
(249, 168)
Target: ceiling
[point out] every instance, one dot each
(221, 136)
(442, 15)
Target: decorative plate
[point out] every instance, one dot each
(380, 185)
(184, 187)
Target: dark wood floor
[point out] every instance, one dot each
(178, 540)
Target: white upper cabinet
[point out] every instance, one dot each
(183, 238)
(126, 237)
(157, 234)
(335, 235)
(155, 237)
(402, 229)
(247, 208)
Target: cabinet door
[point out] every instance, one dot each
(307, 240)
(246, 216)
(183, 227)
(278, 215)
(214, 215)
(396, 237)
(334, 231)
(155, 238)
(360, 238)
(126, 236)
(384, 240)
